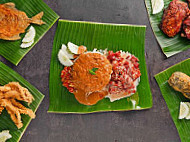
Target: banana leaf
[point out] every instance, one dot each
(169, 46)
(8, 75)
(101, 36)
(11, 49)
(173, 98)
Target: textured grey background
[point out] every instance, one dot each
(154, 125)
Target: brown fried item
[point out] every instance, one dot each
(25, 95)
(8, 100)
(1, 109)
(186, 28)
(173, 17)
(180, 82)
(14, 22)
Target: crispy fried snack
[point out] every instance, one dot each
(173, 17)
(13, 22)
(9, 94)
(180, 82)
(1, 109)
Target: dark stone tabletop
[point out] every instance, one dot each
(153, 125)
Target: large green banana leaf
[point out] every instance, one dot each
(98, 35)
(169, 46)
(11, 49)
(8, 75)
(174, 98)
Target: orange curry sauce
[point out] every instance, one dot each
(87, 88)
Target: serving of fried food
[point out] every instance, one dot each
(14, 22)
(181, 83)
(10, 95)
(176, 19)
(98, 74)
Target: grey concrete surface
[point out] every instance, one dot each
(153, 125)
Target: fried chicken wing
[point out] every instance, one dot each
(173, 17)
(186, 28)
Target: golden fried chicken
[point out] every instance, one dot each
(173, 17)
(9, 94)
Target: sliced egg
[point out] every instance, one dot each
(27, 44)
(64, 60)
(73, 48)
(67, 52)
(30, 35)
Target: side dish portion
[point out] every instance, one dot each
(176, 18)
(181, 82)
(93, 75)
(10, 95)
(14, 22)
(4, 136)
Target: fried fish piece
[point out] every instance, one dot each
(14, 22)
(180, 82)
(173, 17)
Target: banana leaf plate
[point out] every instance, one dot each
(11, 49)
(173, 98)
(169, 46)
(98, 35)
(8, 75)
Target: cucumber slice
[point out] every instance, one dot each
(67, 52)
(73, 48)
(64, 60)
(30, 35)
(184, 110)
(26, 44)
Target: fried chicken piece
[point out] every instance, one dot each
(173, 17)
(22, 109)
(25, 95)
(186, 28)
(4, 89)
(13, 112)
(188, 2)
(8, 96)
